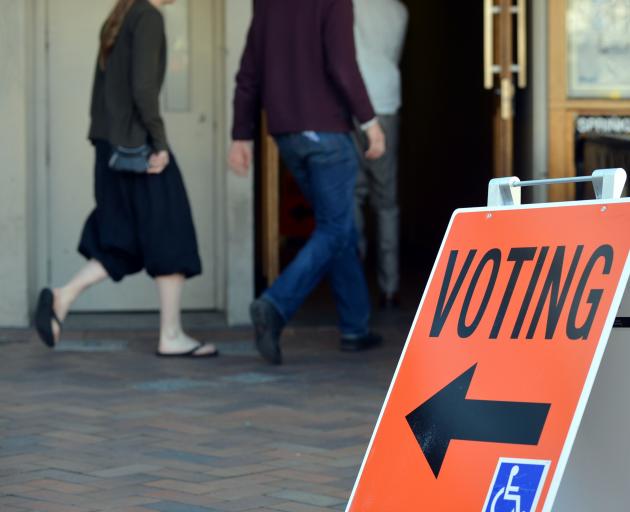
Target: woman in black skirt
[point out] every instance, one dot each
(142, 218)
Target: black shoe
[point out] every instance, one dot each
(370, 340)
(389, 301)
(268, 326)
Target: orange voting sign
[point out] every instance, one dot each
(492, 384)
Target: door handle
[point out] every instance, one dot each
(507, 97)
(488, 43)
(489, 69)
(521, 43)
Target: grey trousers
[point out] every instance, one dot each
(377, 184)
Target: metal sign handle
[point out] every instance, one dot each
(607, 183)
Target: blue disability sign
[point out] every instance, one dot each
(516, 486)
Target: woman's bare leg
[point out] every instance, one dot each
(90, 274)
(173, 340)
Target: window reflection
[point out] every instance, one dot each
(599, 48)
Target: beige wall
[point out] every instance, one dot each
(15, 160)
(240, 204)
(538, 106)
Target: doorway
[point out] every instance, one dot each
(446, 151)
(192, 117)
(446, 125)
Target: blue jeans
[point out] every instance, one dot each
(325, 166)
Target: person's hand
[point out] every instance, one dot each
(376, 141)
(240, 157)
(158, 162)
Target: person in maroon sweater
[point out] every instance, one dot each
(300, 66)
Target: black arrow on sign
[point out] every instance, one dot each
(447, 415)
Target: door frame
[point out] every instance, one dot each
(270, 204)
(40, 208)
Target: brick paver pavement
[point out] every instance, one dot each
(103, 424)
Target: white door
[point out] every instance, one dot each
(73, 27)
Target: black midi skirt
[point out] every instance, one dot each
(141, 221)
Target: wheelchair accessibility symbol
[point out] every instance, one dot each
(516, 486)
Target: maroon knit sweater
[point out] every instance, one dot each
(300, 66)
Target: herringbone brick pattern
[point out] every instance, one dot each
(103, 425)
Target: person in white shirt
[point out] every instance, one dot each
(380, 30)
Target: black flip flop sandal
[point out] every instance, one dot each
(191, 354)
(45, 316)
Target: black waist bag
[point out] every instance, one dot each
(130, 159)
